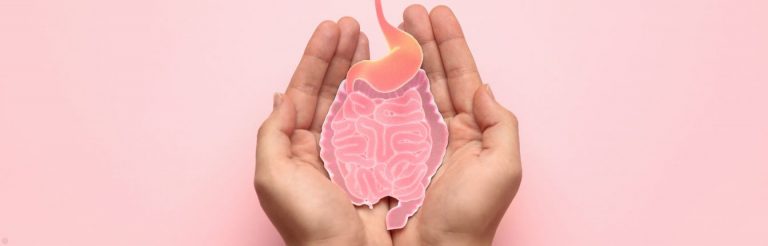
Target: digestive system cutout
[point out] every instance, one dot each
(384, 135)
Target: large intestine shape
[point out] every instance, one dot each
(383, 135)
(377, 144)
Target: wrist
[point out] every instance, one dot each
(457, 240)
(435, 237)
(336, 240)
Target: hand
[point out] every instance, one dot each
(467, 197)
(481, 171)
(293, 187)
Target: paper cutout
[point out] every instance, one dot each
(394, 69)
(384, 135)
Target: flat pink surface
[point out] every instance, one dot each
(134, 122)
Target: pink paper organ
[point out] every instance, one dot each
(383, 135)
(378, 144)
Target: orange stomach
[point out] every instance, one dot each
(392, 71)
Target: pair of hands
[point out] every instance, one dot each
(469, 193)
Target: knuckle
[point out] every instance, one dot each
(460, 72)
(263, 129)
(264, 175)
(260, 134)
(310, 87)
(513, 119)
(260, 182)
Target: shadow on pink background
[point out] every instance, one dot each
(134, 122)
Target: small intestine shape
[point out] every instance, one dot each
(382, 146)
(378, 144)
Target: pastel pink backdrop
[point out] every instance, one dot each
(134, 122)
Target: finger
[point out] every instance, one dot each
(460, 68)
(401, 26)
(308, 77)
(375, 217)
(273, 141)
(337, 69)
(498, 125)
(363, 51)
(418, 24)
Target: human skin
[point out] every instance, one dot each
(468, 195)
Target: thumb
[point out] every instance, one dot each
(274, 141)
(499, 126)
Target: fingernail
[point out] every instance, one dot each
(490, 92)
(277, 99)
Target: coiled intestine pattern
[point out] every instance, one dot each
(382, 145)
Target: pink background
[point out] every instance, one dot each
(134, 122)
